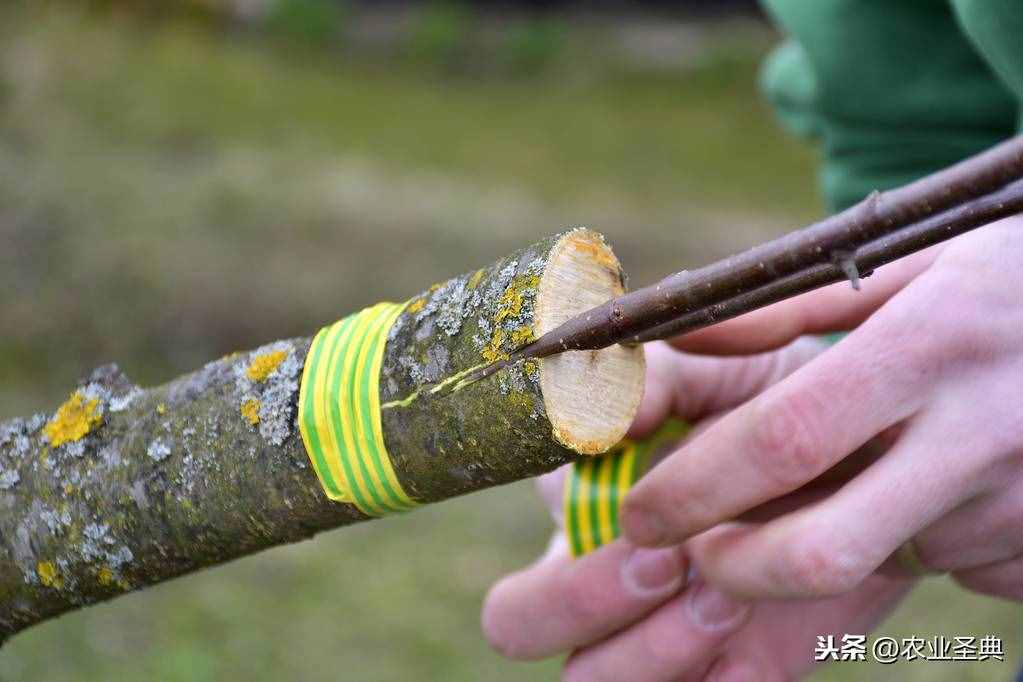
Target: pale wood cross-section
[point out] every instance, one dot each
(590, 396)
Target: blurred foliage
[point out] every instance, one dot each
(156, 163)
(441, 36)
(171, 190)
(533, 44)
(314, 21)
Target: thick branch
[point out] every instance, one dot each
(161, 482)
(122, 488)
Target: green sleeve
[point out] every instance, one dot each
(995, 27)
(895, 90)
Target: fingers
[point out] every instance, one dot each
(778, 641)
(681, 635)
(691, 387)
(831, 546)
(833, 308)
(1002, 579)
(981, 531)
(782, 439)
(985, 528)
(559, 604)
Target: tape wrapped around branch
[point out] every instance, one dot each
(596, 487)
(389, 420)
(339, 412)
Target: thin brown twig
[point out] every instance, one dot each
(934, 230)
(882, 228)
(625, 318)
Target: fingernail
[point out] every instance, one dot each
(643, 527)
(653, 570)
(715, 610)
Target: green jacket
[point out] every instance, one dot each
(895, 89)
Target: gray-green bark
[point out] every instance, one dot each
(458, 443)
(125, 487)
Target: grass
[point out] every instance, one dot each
(169, 193)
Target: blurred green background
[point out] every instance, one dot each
(178, 181)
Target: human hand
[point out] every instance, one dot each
(935, 365)
(640, 614)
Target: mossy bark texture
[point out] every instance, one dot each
(484, 433)
(121, 488)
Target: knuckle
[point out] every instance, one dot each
(905, 344)
(976, 333)
(966, 338)
(823, 567)
(976, 344)
(581, 598)
(915, 357)
(912, 343)
(785, 440)
(973, 267)
(676, 500)
(701, 511)
(686, 508)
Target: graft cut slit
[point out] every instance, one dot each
(445, 426)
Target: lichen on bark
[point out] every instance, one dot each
(173, 479)
(122, 488)
(450, 445)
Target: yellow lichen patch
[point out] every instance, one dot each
(263, 365)
(520, 336)
(416, 305)
(105, 576)
(250, 410)
(492, 351)
(161, 409)
(521, 401)
(510, 303)
(476, 277)
(74, 419)
(48, 575)
(530, 366)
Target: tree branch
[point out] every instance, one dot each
(122, 488)
(803, 259)
(952, 223)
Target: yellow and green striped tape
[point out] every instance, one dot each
(596, 486)
(339, 418)
(339, 412)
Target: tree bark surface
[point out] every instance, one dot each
(122, 488)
